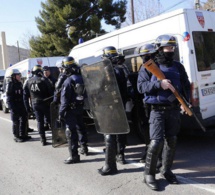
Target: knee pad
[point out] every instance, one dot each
(156, 146)
(110, 138)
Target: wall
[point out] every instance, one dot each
(13, 55)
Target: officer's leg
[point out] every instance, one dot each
(15, 126)
(47, 118)
(121, 144)
(24, 125)
(40, 123)
(72, 139)
(82, 134)
(172, 129)
(110, 156)
(168, 156)
(146, 139)
(157, 123)
(154, 148)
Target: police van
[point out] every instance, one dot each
(195, 34)
(25, 67)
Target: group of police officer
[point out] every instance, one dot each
(164, 116)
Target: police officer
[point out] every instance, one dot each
(71, 110)
(165, 109)
(115, 144)
(47, 74)
(146, 52)
(14, 98)
(58, 85)
(38, 88)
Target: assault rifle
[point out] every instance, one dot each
(153, 68)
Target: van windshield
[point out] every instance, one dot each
(204, 43)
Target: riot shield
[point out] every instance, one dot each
(104, 98)
(58, 129)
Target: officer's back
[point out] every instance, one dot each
(38, 87)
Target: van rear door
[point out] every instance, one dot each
(204, 44)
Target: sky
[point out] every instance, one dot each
(17, 17)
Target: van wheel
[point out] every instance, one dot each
(4, 108)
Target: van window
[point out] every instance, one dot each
(204, 43)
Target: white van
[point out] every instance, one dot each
(25, 67)
(195, 34)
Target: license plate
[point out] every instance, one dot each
(208, 91)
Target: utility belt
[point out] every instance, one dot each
(165, 107)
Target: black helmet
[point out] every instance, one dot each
(70, 66)
(68, 62)
(110, 52)
(37, 69)
(165, 41)
(147, 49)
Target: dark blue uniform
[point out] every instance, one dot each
(19, 117)
(37, 89)
(164, 120)
(71, 109)
(58, 86)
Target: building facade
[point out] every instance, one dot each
(14, 55)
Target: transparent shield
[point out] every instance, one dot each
(104, 98)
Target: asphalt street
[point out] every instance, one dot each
(30, 168)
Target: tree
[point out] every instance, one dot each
(143, 10)
(63, 22)
(209, 5)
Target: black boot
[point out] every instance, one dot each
(121, 144)
(73, 149)
(84, 150)
(18, 139)
(151, 160)
(168, 156)
(120, 157)
(110, 157)
(72, 160)
(30, 129)
(43, 140)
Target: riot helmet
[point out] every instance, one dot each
(147, 51)
(37, 70)
(165, 44)
(12, 73)
(165, 41)
(70, 66)
(110, 53)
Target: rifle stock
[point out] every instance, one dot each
(153, 68)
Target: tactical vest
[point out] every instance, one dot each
(15, 90)
(166, 96)
(79, 88)
(38, 89)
